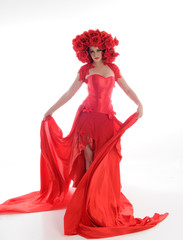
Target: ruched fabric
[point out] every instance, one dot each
(96, 208)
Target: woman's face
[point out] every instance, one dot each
(96, 54)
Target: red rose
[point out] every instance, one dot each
(106, 54)
(79, 45)
(83, 56)
(85, 35)
(92, 33)
(116, 42)
(95, 41)
(102, 45)
(84, 40)
(109, 42)
(104, 35)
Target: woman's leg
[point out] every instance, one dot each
(88, 153)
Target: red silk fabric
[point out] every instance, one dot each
(97, 208)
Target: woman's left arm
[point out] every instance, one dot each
(131, 94)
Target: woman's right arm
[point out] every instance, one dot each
(66, 97)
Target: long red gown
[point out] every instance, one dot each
(97, 208)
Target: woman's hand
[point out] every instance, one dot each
(140, 111)
(48, 113)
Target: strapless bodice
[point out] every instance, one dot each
(99, 94)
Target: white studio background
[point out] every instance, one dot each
(38, 64)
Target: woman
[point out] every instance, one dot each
(103, 70)
(90, 154)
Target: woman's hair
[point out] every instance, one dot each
(103, 40)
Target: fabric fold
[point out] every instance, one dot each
(96, 207)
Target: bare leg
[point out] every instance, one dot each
(88, 153)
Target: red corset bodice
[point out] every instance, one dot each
(99, 94)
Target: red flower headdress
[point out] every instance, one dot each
(103, 40)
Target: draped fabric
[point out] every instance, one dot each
(96, 208)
